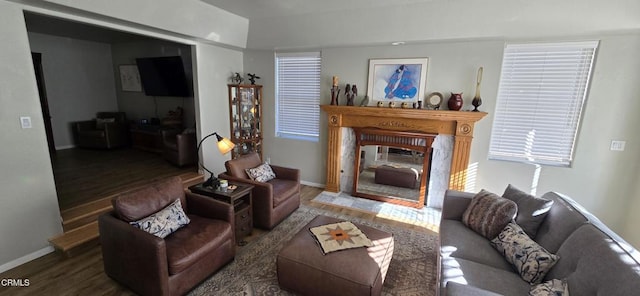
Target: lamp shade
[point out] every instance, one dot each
(225, 145)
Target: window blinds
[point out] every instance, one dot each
(298, 95)
(540, 98)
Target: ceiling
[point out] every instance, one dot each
(257, 9)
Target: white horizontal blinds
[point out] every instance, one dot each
(298, 95)
(540, 98)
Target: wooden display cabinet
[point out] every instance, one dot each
(245, 115)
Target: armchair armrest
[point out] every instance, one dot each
(186, 142)
(455, 203)
(132, 256)
(208, 207)
(86, 125)
(286, 173)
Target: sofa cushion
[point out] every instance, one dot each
(189, 244)
(101, 122)
(165, 221)
(531, 210)
(530, 260)
(137, 204)
(488, 213)
(261, 173)
(596, 262)
(500, 281)
(283, 190)
(562, 220)
(457, 289)
(457, 240)
(552, 287)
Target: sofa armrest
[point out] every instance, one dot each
(286, 173)
(208, 207)
(455, 203)
(132, 256)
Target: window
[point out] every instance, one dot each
(542, 90)
(298, 95)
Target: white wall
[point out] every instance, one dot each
(214, 67)
(79, 80)
(599, 179)
(137, 105)
(188, 18)
(445, 20)
(29, 212)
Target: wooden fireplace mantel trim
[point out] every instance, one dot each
(460, 124)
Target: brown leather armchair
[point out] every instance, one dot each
(108, 130)
(150, 265)
(273, 200)
(179, 148)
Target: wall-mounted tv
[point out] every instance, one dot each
(163, 77)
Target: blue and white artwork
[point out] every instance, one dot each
(390, 80)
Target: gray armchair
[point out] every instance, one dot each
(107, 131)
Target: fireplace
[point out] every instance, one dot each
(451, 148)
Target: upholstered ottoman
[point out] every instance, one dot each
(397, 176)
(302, 267)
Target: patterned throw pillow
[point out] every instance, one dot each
(530, 259)
(261, 173)
(488, 213)
(165, 221)
(550, 288)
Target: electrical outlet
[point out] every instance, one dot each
(617, 145)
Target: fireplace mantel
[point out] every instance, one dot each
(460, 124)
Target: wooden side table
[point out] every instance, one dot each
(241, 200)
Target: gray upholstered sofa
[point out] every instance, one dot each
(593, 259)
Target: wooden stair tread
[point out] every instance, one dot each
(76, 237)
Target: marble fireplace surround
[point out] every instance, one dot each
(451, 147)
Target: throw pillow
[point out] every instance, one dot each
(488, 213)
(261, 173)
(531, 210)
(100, 122)
(530, 259)
(550, 288)
(165, 221)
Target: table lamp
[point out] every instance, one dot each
(224, 145)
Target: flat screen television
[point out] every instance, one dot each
(163, 77)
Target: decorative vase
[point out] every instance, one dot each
(404, 105)
(455, 102)
(392, 104)
(380, 104)
(477, 101)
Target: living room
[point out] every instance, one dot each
(457, 37)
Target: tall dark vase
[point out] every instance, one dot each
(455, 102)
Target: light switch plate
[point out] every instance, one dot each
(25, 121)
(617, 145)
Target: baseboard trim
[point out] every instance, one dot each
(26, 258)
(312, 184)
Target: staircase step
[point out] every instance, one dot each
(75, 238)
(80, 223)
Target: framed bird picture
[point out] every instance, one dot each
(398, 80)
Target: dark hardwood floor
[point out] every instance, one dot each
(84, 175)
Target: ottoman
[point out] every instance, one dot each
(397, 176)
(302, 268)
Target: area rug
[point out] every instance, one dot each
(425, 217)
(412, 270)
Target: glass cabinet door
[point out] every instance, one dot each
(246, 118)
